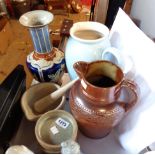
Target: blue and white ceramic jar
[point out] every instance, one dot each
(46, 63)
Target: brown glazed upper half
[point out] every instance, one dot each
(103, 94)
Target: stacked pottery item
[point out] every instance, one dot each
(46, 63)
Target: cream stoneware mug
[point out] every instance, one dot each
(89, 41)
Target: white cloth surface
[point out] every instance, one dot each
(137, 129)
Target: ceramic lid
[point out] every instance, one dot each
(54, 127)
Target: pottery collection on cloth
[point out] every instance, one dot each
(94, 98)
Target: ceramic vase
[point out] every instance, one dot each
(46, 63)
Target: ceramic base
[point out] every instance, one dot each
(47, 70)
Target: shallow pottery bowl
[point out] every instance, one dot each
(35, 93)
(54, 127)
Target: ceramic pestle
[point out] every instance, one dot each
(42, 104)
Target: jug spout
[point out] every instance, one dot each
(81, 68)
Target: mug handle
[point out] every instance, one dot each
(113, 54)
(131, 85)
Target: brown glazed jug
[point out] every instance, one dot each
(95, 97)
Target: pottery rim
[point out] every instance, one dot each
(106, 62)
(36, 18)
(89, 25)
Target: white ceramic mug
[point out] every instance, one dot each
(79, 49)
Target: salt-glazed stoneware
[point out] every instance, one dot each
(46, 63)
(95, 99)
(36, 92)
(53, 128)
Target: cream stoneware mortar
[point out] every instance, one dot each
(37, 92)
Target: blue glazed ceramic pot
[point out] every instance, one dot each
(46, 63)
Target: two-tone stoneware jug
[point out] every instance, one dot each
(95, 99)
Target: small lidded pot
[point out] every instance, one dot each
(53, 128)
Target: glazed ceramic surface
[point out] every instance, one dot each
(94, 99)
(36, 92)
(46, 63)
(80, 48)
(53, 128)
(70, 147)
(46, 67)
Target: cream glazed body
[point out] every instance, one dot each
(78, 49)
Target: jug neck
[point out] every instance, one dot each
(92, 26)
(99, 96)
(37, 21)
(105, 94)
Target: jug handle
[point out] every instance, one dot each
(114, 55)
(133, 87)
